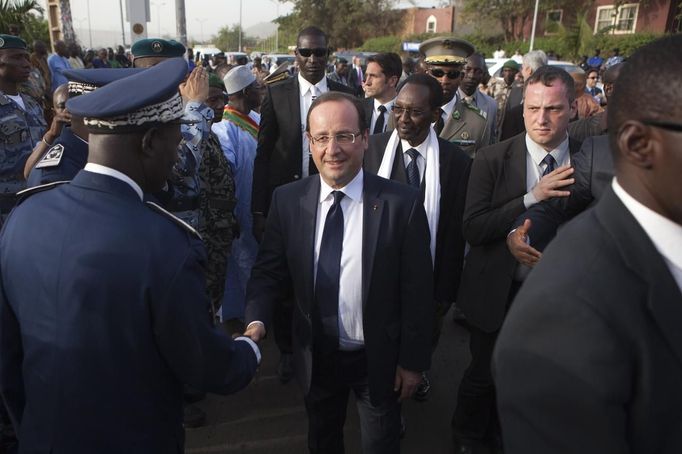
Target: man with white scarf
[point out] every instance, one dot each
(414, 154)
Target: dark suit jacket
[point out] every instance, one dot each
(589, 359)
(368, 104)
(593, 166)
(354, 82)
(104, 315)
(454, 175)
(512, 124)
(494, 200)
(397, 284)
(278, 154)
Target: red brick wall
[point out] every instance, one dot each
(651, 17)
(415, 19)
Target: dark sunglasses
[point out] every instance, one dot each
(438, 73)
(318, 52)
(663, 125)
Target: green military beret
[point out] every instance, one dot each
(215, 81)
(511, 64)
(446, 51)
(12, 42)
(157, 47)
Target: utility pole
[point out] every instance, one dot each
(181, 21)
(123, 32)
(240, 25)
(535, 21)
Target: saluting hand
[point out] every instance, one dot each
(195, 88)
(517, 242)
(549, 185)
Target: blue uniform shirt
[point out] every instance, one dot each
(20, 131)
(62, 162)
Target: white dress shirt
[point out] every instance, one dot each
(664, 233)
(351, 334)
(376, 113)
(535, 167)
(307, 92)
(449, 107)
(421, 158)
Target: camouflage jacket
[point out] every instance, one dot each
(20, 131)
(216, 215)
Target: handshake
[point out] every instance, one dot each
(255, 331)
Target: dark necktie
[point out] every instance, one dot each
(379, 125)
(550, 163)
(440, 123)
(328, 273)
(413, 169)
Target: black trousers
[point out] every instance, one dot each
(334, 376)
(475, 417)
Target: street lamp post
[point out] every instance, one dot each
(240, 25)
(89, 25)
(201, 24)
(535, 21)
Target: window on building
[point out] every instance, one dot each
(431, 24)
(553, 21)
(617, 21)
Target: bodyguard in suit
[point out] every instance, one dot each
(506, 179)
(413, 154)
(103, 306)
(381, 80)
(283, 152)
(535, 228)
(355, 249)
(590, 357)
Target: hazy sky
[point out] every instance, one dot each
(203, 16)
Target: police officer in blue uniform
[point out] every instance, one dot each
(103, 306)
(69, 152)
(22, 124)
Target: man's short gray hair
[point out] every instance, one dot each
(534, 59)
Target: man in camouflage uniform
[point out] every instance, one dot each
(499, 89)
(217, 223)
(22, 124)
(190, 187)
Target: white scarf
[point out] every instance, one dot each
(431, 179)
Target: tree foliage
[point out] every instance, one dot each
(227, 39)
(28, 15)
(347, 22)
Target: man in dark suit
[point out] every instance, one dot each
(390, 155)
(590, 357)
(506, 179)
(536, 227)
(283, 154)
(355, 249)
(103, 306)
(381, 80)
(356, 76)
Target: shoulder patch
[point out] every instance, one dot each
(52, 158)
(26, 193)
(185, 226)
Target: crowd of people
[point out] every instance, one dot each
(165, 216)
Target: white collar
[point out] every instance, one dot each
(449, 107)
(664, 233)
(304, 85)
(387, 105)
(352, 190)
(104, 170)
(421, 148)
(538, 153)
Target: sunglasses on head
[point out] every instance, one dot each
(438, 73)
(318, 52)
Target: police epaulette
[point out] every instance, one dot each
(23, 195)
(172, 217)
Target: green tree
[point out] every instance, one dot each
(28, 15)
(347, 22)
(227, 39)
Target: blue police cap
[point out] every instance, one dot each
(83, 81)
(134, 102)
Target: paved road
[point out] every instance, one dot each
(269, 417)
